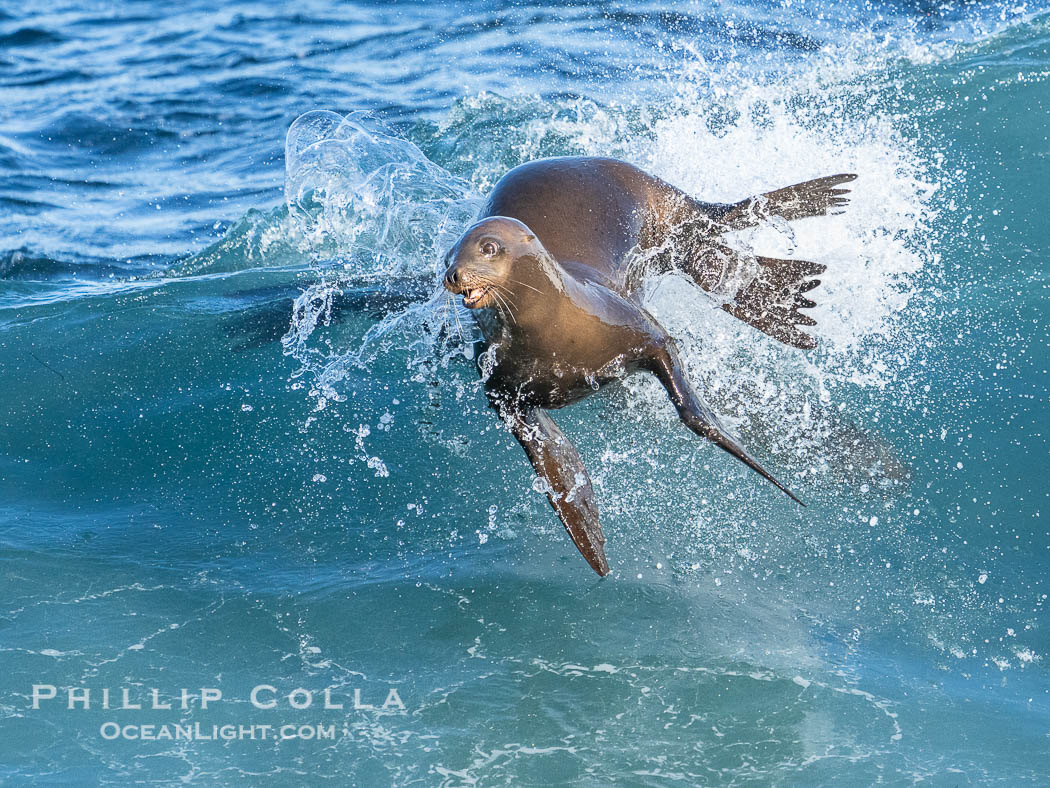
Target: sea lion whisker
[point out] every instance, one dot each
(459, 325)
(519, 282)
(505, 309)
(500, 304)
(503, 298)
(501, 307)
(506, 305)
(507, 294)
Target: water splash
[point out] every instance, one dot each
(357, 189)
(354, 188)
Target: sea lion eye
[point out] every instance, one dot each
(489, 248)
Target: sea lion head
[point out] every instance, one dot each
(496, 256)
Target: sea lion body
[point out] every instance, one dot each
(554, 268)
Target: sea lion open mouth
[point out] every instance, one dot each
(475, 295)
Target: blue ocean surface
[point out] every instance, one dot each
(244, 449)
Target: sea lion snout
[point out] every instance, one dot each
(472, 280)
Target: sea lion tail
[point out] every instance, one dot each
(771, 301)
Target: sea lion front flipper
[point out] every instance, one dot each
(817, 197)
(666, 365)
(568, 486)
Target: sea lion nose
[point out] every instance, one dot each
(452, 278)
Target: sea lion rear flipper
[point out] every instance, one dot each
(767, 291)
(818, 197)
(772, 299)
(666, 365)
(568, 486)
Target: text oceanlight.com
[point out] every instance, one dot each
(197, 732)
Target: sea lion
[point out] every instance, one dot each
(554, 268)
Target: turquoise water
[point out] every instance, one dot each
(239, 446)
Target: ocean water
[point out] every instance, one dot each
(243, 444)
